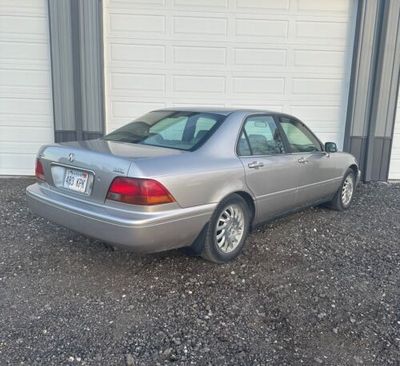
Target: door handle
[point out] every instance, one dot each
(256, 165)
(302, 161)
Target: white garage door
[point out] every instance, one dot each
(394, 171)
(26, 118)
(286, 55)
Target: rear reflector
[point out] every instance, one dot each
(39, 171)
(138, 191)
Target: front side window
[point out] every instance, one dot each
(299, 136)
(172, 129)
(260, 136)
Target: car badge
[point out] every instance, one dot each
(71, 157)
(119, 170)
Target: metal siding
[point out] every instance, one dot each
(91, 45)
(374, 86)
(62, 65)
(363, 67)
(385, 91)
(76, 44)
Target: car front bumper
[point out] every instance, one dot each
(358, 178)
(138, 230)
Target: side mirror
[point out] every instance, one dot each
(330, 147)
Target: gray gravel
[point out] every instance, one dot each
(317, 287)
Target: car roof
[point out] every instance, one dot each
(217, 110)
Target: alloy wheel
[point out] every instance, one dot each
(347, 190)
(230, 228)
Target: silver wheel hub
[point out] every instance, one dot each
(347, 190)
(230, 228)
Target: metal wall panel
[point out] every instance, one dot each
(374, 86)
(77, 68)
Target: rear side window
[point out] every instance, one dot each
(203, 125)
(260, 136)
(300, 138)
(172, 129)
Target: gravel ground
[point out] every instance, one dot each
(317, 287)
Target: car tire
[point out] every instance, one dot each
(345, 193)
(218, 243)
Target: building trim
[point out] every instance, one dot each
(76, 66)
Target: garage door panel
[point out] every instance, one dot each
(11, 148)
(26, 119)
(259, 56)
(135, 4)
(127, 109)
(189, 25)
(254, 85)
(261, 28)
(21, 52)
(24, 84)
(394, 171)
(317, 29)
(19, 163)
(256, 5)
(204, 4)
(310, 86)
(317, 113)
(199, 55)
(137, 23)
(19, 134)
(261, 105)
(140, 83)
(24, 7)
(312, 58)
(337, 6)
(12, 78)
(32, 25)
(201, 84)
(137, 53)
(200, 104)
(245, 53)
(17, 106)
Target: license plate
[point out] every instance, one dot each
(76, 180)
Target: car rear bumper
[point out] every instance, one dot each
(137, 230)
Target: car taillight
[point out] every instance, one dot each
(138, 191)
(39, 171)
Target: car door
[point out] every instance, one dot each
(270, 171)
(318, 175)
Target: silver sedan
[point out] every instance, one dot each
(195, 178)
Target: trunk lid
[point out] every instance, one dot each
(101, 160)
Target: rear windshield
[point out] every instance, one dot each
(176, 130)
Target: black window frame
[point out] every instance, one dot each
(243, 131)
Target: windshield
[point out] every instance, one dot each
(172, 129)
